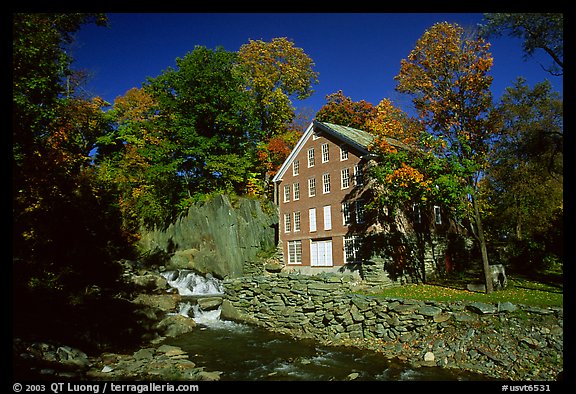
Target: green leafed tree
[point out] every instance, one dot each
(524, 182)
(544, 31)
(217, 122)
(205, 110)
(136, 161)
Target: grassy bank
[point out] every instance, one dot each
(520, 290)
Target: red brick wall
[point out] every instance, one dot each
(333, 199)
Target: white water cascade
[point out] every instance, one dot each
(189, 283)
(192, 287)
(245, 352)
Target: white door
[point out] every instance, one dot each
(321, 253)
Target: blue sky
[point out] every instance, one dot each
(358, 53)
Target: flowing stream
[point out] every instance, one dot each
(249, 353)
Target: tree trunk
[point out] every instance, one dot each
(483, 250)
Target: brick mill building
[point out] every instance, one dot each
(319, 192)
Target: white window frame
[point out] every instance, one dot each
(437, 215)
(312, 219)
(346, 214)
(287, 223)
(311, 187)
(311, 160)
(325, 183)
(296, 221)
(343, 153)
(296, 191)
(296, 167)
(358, 178)
(294, 252)
(327, 217)
(345, 178)
(286, 193)
(355, 242)
(325, 153)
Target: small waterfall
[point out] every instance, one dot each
(184, 309)
(193, 286)
(189, 283)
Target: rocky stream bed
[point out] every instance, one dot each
(511, 342)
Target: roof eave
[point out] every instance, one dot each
(293, 154)
(349, 141)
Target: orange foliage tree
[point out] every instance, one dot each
(136, 161)
(342, 110)
(447, 75)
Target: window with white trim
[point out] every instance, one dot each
(297, 221)
(437, 214)
(327, 217)
(296, 167)
(311, 187)
(287, 223)
(325, 153)
(326, 183)
(294, 252)
(312, 219)
(310, 157)
(352, 249)
(346, 214)
(345, 178)
(417, 214)
(296, 191)
(359, 211)
(358, 178)
(286, 193)
(343, 153)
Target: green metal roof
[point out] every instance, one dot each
(360, 137)
(354, 137)
(357, 137)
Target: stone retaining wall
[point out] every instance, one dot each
(496, 340)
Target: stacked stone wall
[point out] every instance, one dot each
(494, 339)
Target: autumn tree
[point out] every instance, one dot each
(272, 152)
(400, 156)
(136, 162)
(275, 72)
(447, 75)
(65, 236)
(342, 110)
(410, 177)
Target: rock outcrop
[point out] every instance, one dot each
(218, 237)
